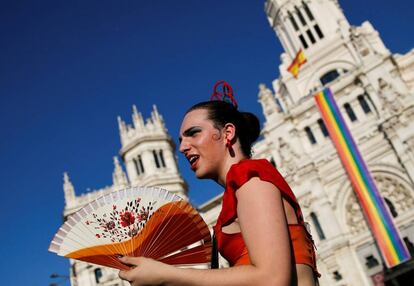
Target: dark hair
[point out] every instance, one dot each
(221, 112)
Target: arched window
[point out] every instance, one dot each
(98, 275)
(309, 133)
(329, 76)
(317, 225)
(350, 112)
(364, 104)
(323, 128)
(391, 207)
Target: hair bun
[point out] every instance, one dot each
(251, 126)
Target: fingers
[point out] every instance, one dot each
(128, 260)
(125, 275)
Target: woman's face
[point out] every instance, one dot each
(202, 144)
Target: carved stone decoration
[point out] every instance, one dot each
(119, 177)
(354, 215)
(288, 156)
(358, 41)
(267, 100)
(395, 191)
(389, 97)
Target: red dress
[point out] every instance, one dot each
(231, 246)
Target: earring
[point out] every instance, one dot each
(229, 146)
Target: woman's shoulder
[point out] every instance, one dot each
(244, 170)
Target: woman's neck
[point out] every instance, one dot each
(227, 163)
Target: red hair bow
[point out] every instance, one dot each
(223, 92)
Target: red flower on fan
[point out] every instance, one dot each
(132, 232)
(110, 225)
(127, 218)
(143, 214)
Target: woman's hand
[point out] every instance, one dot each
(145, 271)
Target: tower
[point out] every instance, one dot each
(372, 88)
(148, 153)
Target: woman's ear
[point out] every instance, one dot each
(229, 132)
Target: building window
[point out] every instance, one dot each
(310, 36)
(317, 225)
(329, 76)
(309, 133)
(308, 11)
(305, 25)
(159, 159)
(136, 166)
(323, 128)
(139, 167)
(337, 276)
(162, 158)
(391, 207)
(371, 261)
(272, 161)
(301, 18)
(303, 41)
(410, 245)
(98, 275)
(318, 31)
(157, 163)
(293, 21)
(364, 104)
(350, 112)
(140, 164)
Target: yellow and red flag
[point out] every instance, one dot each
(299, 60)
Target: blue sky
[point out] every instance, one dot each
(68, 68)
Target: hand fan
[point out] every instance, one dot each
(141, 221)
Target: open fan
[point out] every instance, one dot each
(142, 221)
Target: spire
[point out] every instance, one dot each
(137, 118)
(122, 126)
(69, 190)
(156, 118)
(119, 177)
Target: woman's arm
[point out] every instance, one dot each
(264, 228)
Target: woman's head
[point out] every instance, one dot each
(246, 123)
(206, 128)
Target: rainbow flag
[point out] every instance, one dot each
(299, 60)
(392, 248)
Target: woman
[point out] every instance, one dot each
(260, 229)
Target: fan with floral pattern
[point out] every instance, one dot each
(141, 221)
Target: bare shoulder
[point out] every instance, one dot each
(258, 188)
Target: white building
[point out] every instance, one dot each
(375, 90)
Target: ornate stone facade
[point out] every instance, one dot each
(375, 91)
